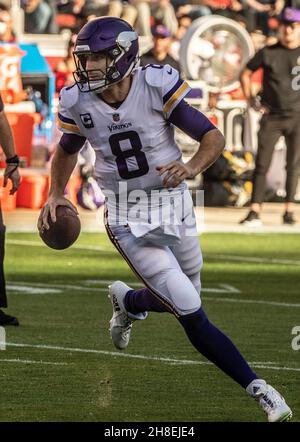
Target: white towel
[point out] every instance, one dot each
(160, 222)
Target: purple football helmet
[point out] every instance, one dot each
(111, 38)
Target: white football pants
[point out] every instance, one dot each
(172, 273)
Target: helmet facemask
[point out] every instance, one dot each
(119, 63)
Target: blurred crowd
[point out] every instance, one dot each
(164, 21)
(52, 16)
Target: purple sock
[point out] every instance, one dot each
(139, 301)
(217, 347)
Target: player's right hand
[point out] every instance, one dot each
(50, 207)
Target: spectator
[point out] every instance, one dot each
(258, 12)
(227, 8)
(65, 68)
(159, 54)
(193, 8)
(292, 3)
(184, 22)
(39, 17)
(162, 11)
(6, 26)
(74, 6)
(79, 9)
(124, 10)
(281, 107)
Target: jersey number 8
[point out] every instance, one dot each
(123, 155)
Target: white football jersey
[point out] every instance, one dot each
(132, 140)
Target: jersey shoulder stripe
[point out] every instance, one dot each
(65, 119)
(176, 97)
(171, 89)
(67, 100)
(169, 94)
(68, 124)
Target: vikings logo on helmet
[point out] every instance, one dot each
(112, 38)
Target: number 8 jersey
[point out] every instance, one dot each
(133, 139)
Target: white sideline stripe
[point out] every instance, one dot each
(143, 357)
(20, 242)
(251, 301)
(28, 361)
(253, 259)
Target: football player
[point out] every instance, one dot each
(128, 113)
(11, 173)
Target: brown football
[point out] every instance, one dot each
(64, 232)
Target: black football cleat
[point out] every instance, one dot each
(252, 219)
(288, 218)
(7, 319)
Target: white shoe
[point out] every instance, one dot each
(270, 400)
(120, 324)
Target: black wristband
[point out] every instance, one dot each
(13, 160)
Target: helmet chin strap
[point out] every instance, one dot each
(95, 88)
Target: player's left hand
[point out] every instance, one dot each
(12, 173)
(176, 172)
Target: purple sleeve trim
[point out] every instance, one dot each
(190, 120)
(65, 119)
(71, 143)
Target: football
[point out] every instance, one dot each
(64, 232)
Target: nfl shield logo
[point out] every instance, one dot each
(116, 117)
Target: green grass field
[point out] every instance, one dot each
(60, 364)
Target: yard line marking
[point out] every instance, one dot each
(143, 357)
(104, 352)
(89, 282)
(204, 298)
(275, 368)
(26, 286)
(252, 259)
(109, 249)
(251, 301)
(32, 290)
(60, 286)
(265, 363)
(225, 288)
(28, 361)
(20, 242)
